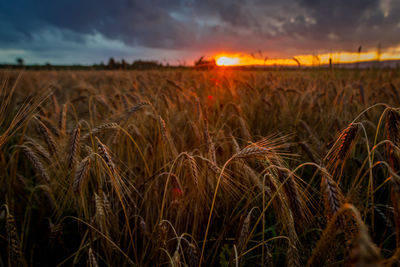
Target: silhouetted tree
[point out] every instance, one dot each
(199, 61)
(111, 63)
(124, 64)
(203, 63)
(20, 61)
(142, 64)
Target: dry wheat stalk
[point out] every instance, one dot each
(236, 147)
(15, 255)
(281, 207)
(199, 111)
(267, 257)
(244, 232)
(347, 140)
(392, 126)
(308, 151)
(82, 172)
(99, 206)
(209, 142)
(163, 129)
(46, 135)
(101, 128)
(393, 134)
(56, 230)
(310, 133)
(279, 201)
(142, 225)
(92, 258)
(193, 255)
(217, 170)
(137, 107)
(36, 163)
(193, 168)
(162, 234)
(362, 94)
(62, 122)
(292, 193)
(105, 154)
(252, 151)
(176, 258)
(395, 93)
(293, 257)
(332, 195)
(245, 128)
(39, 148)
(53, 129)
(166, 137)
(364, 252)
(74, 145)
(106, 204)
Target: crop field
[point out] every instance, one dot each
(184, 167)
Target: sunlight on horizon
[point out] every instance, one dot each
(227, 61)
(235, 59)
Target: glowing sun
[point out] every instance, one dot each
(227, 61)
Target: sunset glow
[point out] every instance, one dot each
(307, 60)
(228, 61)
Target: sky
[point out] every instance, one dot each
(180, 31)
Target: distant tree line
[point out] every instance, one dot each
(112, 64)
(124, 65)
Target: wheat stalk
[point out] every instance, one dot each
(235, 145)
(209, 142)
(100, 211)
(332, 194)
(176, 258)
(62, 122)
(103, 150)
(49, 124)
(252, 151)
(74, 145)
(292, 193)
(92, 258)
(193, 168)
(347, 140)
(82, 172)
(38, 147)
(36, 163)
(306, 148)
(100, 128)
(137, 107)
(46, 135)
(193, 255)
(393, 134)
(244, 232)
(15, 255)
(163, 128)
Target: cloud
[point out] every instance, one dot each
(194, 27)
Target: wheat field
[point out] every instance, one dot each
(200, 168)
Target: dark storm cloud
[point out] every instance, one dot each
(134, 22)
(309, 24)
(283, 27)
(349, 22)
